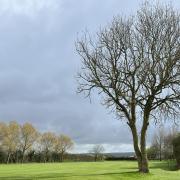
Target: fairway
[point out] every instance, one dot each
(86, 170)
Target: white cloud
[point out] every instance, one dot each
(28, 7)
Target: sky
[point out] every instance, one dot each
(39, 64)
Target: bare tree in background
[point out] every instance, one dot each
(171, 133)
(47, 142)
(158, 141)
(97, 151)
(162, 143)
(63, 144)
(134, 64)
(28, 135)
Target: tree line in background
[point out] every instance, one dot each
(162, 144)
(24, 143)
(176, 149)
(165, 145)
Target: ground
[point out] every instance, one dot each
(117, 170)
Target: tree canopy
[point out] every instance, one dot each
(134, 64)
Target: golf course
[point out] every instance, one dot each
(116, 170)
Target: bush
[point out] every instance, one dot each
(152, 152)
(176, 149)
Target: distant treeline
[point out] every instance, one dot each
(24, 143)
(165, 145)
(112, 158)
(162, 144)
(38, 157)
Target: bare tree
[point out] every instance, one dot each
(63, 144)
(135, 65)
(97, 151)
(158, 141)
(176, 149)
(28, 135)
(162, 142)
(171, 133)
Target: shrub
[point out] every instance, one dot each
(176, 149)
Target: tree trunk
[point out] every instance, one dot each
(23, 152)
(22, 158)
(17, 159)
(140, 153)
(8, 158)
(95, 157)
(46, 157)
(178, 165)
(61, 156)
(144, 160)
(160, 152)
(144, 168)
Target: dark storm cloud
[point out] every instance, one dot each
(38, 65)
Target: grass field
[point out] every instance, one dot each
(86, 171)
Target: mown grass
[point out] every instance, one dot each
(118, 170)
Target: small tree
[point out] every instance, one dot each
(158, 142)
(168, 143)
(134, 65)
(152, 152)
(28, 135)
(47, 143)
(97, 151)
(162, 147)
(63, 144)
(176, 149)
(10, 135)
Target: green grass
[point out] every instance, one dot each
(118, 170)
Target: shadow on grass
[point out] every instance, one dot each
(132, 174)
(164, 165)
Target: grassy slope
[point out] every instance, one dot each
(86, 171)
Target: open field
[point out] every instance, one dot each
(86, 171)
